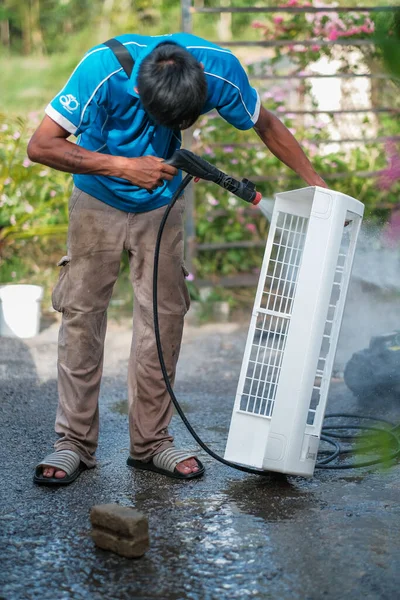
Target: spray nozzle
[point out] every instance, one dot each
(202, 169)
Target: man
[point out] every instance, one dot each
(127, 125)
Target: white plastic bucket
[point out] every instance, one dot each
(20, 310)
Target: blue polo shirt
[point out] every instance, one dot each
(99, 105)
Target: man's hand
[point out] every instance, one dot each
(284, 146)
(50, 146)
(148, 172)
(315, 179)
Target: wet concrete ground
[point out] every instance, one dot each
(226, 536)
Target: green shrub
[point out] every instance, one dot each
(33, 209)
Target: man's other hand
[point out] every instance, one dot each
(315, 179)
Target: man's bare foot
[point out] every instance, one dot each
(52, 472)
(188, 466)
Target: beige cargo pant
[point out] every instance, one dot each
(97, 236)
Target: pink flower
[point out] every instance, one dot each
(279, 96)
(16, 135)
(366, 28)
(392, 230)
(352, 31)
(228, 149)
(26, 163)
(7, 181)
(34, 116)
(251, 227)
(333, 35)
(211, 200)
(53, 193)
(190, 277)
(391, 174)
(311, 147)
(315, 48)
(299, 48)
(278, 19)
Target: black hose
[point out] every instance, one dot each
(391, 434)
(178, 192)
(323, 463)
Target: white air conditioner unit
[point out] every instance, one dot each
(291, 345)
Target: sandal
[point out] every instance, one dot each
(64, 460)
(165, 462)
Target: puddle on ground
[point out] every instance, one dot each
(271, 499)
(353, 479)
(120, 407)
(219, 429)
(187, 407)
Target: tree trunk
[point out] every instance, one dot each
(5, 33)
(224, 28)
(106, 19)
(26, 28)
(36, 31)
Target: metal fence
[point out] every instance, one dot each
(189, 10)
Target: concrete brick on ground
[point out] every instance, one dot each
(120, 529)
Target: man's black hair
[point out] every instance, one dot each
(172, 86)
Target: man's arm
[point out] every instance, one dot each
(284, 146)
(49, 146)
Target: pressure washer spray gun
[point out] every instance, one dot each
(201, 169)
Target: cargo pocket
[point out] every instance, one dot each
(58, 294)
(186, 291)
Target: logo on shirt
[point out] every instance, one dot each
(69, 102)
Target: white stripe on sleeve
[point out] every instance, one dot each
(60, 119)
(257, 109)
